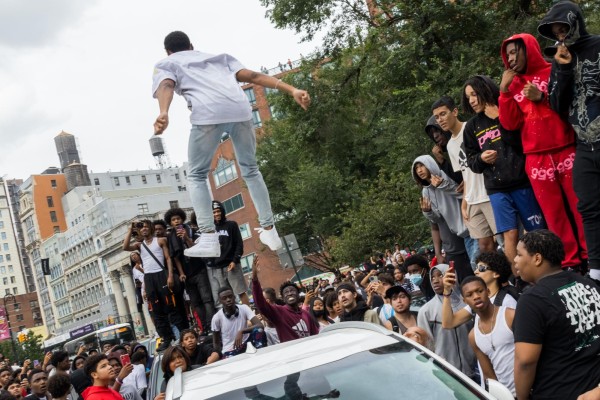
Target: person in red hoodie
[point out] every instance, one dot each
(102, 373)
(290, 320)
(548, 141)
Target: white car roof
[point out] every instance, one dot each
(278, 361)
(246, 370)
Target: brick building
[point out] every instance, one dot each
(23, 311)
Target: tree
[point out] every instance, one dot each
(29, 348)
(342, 171)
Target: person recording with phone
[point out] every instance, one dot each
(158, 280)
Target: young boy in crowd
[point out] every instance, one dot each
(102, 373)
(451, 344)
(491, 337)
(440, 204)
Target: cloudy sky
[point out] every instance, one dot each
(85, 67)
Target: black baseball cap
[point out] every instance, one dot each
(395, 290)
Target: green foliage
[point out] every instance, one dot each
(30, 348)
(341, 171)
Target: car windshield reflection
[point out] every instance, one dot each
(398, 371)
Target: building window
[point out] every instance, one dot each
(12, 279)
(8, 255)
(234, 203)
(7, 291)
(174, 204)
(56, 229)
(3, 235)
(96, 181)
(1, 224)
(50, 201)
(177, 177)
(53, 183)
(19, 317)
(15, 290)
(53, 216)
(256, 119)
(245, 231)
(251, 96)
(225, 172)
(117, 182)
(17, 306)
(158, 178)
(10, 269)
(3, 270)
(144, 180)
(5, 281)
(143, 208)
(127, 180)
(246, 263)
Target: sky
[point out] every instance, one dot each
(85, 67)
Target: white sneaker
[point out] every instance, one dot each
(270, 238)
(206, 246)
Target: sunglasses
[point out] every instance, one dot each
(482, 268)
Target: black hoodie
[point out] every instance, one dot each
(230, 237)
(446, 166)
(575, 88)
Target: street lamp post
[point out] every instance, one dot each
(12, 342)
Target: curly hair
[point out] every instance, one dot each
(59, 385)
(286, 284)
(416, 259)
(498, 263)
(174, 212)
(546, 244)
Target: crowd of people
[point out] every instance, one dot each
(510, 291)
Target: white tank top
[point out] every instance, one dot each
(149, 263)
(502, 354)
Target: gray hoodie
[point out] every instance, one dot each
(450, 344)
(445, 200)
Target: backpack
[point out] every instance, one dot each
(504, 290)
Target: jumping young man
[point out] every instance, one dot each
(210, 85)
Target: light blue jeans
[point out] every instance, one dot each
(472, 246)
(203, 143)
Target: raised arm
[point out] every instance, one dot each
(300, 96)
(266, 309)
(451, 319)
(127, 246)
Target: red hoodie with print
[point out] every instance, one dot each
(100, 393)
(542, 129)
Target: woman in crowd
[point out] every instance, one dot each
(319, 312)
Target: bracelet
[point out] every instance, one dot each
(447, 295)
(277, 84)
(120, 382)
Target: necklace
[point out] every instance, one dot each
(491, 328)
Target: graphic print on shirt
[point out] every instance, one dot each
(587, 72)
(582, 307)
(492, 134)
(462, 157)
(539, 83)
(301, 329)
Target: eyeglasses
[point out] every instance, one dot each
(482, 267)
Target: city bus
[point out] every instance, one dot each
(56, 343)
(114, 334)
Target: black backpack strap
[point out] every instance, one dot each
(394, 322)
(499, 297)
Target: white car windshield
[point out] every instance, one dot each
(398, 371)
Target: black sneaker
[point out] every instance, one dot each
(164, 344)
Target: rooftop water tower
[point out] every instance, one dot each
(159, 152)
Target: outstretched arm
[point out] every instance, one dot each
(300, 96)
(164, 94)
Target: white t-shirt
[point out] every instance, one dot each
(229, 327)
(149, 263)
(208, 84)
(137, 378)
(476, 192)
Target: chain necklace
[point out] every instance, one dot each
(491, 328)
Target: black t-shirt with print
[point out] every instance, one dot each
(562, 313)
